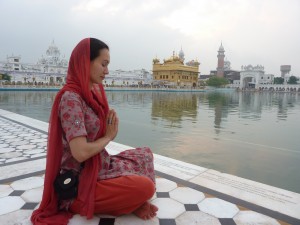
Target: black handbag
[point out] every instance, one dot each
(66, 185)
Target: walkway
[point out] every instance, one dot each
(186, 194)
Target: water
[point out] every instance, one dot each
(251, 135)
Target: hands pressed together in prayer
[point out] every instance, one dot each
(112, 125)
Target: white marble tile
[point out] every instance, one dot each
(5, 190)
(218, 208)
(34, 151)
(15, 143)
(26, 135)
(27, 183)
(186, 195)
(26, 147)
(133, 220)
(273, 198)
(250, 217)
(10, 141)
(29, 138)
(33, 195)
(113, 152)
(20, 217)
(22, 168)
(21, 130)
(7, 137)
(164, 185)
(116, 147)
(196, 218)
(2, 146)
(42, 144)
(6, 149)
(38, 155)
(176, 168)
(15, 159)
(10, 203)
(168, 208)
(38, 140)
(26, 120)
(79, 220)
(9, 155)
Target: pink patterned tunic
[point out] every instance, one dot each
(78, 119)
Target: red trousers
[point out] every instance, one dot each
(121, 195)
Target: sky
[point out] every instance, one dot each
(256, 32)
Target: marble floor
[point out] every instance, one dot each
(186, 194)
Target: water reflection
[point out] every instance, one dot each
(173, 107)
(219, 103)
(35, 104)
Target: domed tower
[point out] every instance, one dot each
(221, 56)
(156, 60)
(181, 55)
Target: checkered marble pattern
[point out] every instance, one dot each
(18, 142)
(180, 202)
(178, 205)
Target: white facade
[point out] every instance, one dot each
(254, 76)
(128, 78)
(51, 69)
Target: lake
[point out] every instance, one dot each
(248, 134)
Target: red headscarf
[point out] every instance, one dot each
(78, 79)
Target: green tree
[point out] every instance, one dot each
(5, 77)
(217, 81)
(278, 80)
(292, 80)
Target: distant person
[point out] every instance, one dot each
(81, 125)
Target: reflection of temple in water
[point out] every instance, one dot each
(219, 102)
(173, 106)
(284, 102)
(251, 105)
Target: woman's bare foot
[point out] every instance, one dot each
(146, 211)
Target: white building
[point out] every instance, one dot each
(128, 78)
(254, 76)
(49, 70)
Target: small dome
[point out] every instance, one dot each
(155, 60)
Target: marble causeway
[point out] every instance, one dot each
(186, 194)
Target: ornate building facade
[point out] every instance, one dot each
(49, 70)
(254, 77)
(173, 72)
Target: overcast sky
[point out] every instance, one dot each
(264, 32)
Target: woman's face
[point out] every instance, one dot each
(99, 67)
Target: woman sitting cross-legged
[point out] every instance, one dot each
(81, 125)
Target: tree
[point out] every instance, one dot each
(278, 80)
(217, 81)
(5, 77)
(293, 80)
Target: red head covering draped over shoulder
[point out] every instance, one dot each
(78, 79)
